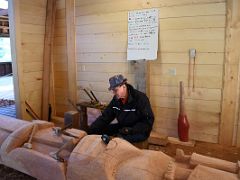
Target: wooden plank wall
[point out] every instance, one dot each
(101, 32)
(229, 128)
(101, 37)
(30, 36)
(60, 62)
(202, 27)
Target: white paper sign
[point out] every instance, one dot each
(142, 34)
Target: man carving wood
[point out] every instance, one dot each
(132, 110)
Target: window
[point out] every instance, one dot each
(5, 49)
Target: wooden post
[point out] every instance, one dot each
(48, 44)
(230, 101)
(17, 63)
(139, 68)
(71, 45)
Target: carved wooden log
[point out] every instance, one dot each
(170, 173)
(213, 162)
(182, 173)
(181, 157)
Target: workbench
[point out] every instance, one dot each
(82, 107)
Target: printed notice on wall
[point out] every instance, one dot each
(142, 34)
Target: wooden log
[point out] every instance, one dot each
(213, 162)
(71, 46)
(48, 44)
(156, 138)
(230, 102)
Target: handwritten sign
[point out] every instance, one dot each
(142, 34)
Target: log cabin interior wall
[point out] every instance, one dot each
(101, 46)
(101, 37)
(229, 126)
(101, 42)
(28, 37)
(200, 26)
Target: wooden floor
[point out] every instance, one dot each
(208, 149)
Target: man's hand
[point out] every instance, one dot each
(125, 131)
(105, 138)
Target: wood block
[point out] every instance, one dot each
(158, 139)
(174, 140)
(216, 163)
(71, 117)
(181, 157)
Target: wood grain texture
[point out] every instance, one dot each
(71, 50)
(28, 22)
(230, 103)
(47, 56)
(101, 46)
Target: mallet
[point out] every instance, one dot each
(55, 155)
(28, 144)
